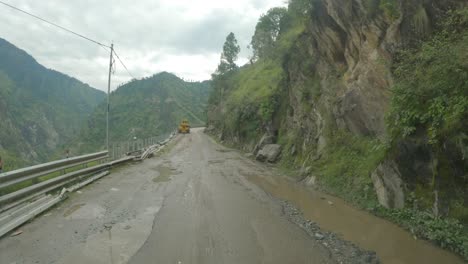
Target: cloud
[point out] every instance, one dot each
(184, 36)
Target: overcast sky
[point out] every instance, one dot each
(180, 36)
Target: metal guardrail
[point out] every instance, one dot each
(134, 147)
(19, 206)
(156, 147)
(11, 178)
(45, 185)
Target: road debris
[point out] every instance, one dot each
(17, 233)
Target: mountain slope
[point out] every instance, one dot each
(368, 98)
(146, 108)
(41, 109)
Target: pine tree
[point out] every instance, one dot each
(230, 52)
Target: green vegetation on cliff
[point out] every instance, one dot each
(431, 93)
(320, 83)
(430, 104)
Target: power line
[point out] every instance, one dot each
(121, 62)
(53, 24)
(70, 31)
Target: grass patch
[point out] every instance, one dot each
(447, 233)
(346, 166)
(256, 82)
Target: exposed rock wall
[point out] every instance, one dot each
(338, 79)
(388, 185)
(348, 49)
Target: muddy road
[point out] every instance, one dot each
(200, 203)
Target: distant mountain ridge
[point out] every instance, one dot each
(145, 108)
(40, 109)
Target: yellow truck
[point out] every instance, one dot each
(184, 127)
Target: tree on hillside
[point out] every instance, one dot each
(230, 52)
(301, 8)
(267, 31)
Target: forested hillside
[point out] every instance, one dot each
(40, 109)
(368, 100)
(146, 108)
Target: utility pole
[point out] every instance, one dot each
(108, 96)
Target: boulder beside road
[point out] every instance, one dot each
(269, 153)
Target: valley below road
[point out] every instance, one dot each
(199, 202)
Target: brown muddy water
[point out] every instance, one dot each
(392, 244)
(165, 172)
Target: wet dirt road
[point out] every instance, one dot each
(190, 205)
(203, 203)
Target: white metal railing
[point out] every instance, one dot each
(14, 178)
(26, 192)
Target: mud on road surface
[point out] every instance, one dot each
(192, 204)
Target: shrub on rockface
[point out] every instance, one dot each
(431, 91)
(430, 104)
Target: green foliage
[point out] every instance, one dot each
(251, 99)
(287, 39)
(431, 91)
(447, 233)
(230, 50)
(267, 32)
(256, 83)
(300, 8)
(229, 55)
(243, 101)
(421, 22)
(388, 7)
(346, 166)
(430, 101)
(268, 108)
(40, 109)
(146, 108)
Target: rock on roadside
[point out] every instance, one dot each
(265, 140)
(269, 153)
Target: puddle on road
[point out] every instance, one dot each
(72, 209)
(165, 173)
(392, 244)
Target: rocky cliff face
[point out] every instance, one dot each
(333, 97)
(348, 48)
